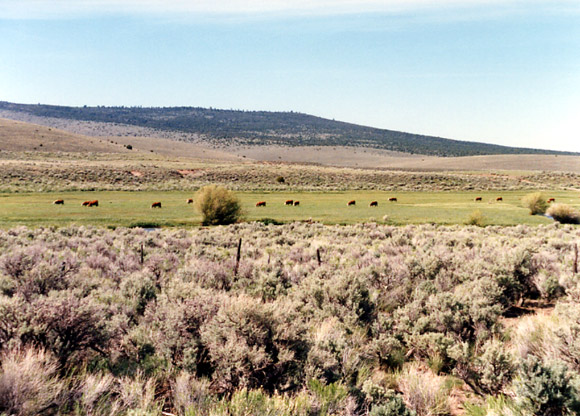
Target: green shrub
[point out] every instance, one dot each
(395, 406)
(536, 203)
(546, 389)
(280, 179)
(564, 214)
(218, 205)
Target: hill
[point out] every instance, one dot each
(16, 136)
(260, 128)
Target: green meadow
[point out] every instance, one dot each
(134, 208)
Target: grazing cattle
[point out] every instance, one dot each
(392, 199)
(374, 204)
(261, 203)
(349, 203)
(296, 203)
(190, 201)
(86, 203)
(478, 199)
(551, 200)
(156, 205)
(499, 198)
(94, 203)
(59, 202)
(289, 202)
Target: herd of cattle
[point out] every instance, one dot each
(95, 203)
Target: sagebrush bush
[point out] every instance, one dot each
(536, 203)
(218, 205)
(547, 389)
(564, 214)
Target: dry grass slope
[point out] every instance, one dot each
(16, 136)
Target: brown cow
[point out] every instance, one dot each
(499, 198)
(59, 202)
(86, 203)
(296, 203)
(349, 203)
(156, 205)
(94, 203)
(478, 199)
(374, 204)
(551, 200)
(261, 203)
(289, 202)
(190, 201)
(392, 199)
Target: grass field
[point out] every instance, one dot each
(133, 208)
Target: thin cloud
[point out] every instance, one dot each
(55, 9)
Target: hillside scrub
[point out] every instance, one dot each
(385, 320)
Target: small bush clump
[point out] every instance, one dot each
(218, 205)
(564, 214)
(476, 218)
(536, 203)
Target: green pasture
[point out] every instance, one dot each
(134, 208)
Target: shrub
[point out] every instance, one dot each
(564, 214)
(395, 406)
(280, 179)
(476, 218)
(546, 389)
(536, 203)
(218, 205)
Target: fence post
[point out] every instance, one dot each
(575, 265)
(238, 257)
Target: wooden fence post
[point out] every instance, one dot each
(575, 265)
(238, 257)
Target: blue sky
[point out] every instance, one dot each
(505, 72)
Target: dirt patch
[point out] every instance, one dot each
(137, 173)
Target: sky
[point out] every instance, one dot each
(504, 72)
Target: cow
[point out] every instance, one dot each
(261, 203)
(478, 199)
(296, 203)
(374, 204)
(59, 202)
(551, 200)
(289, 202)
(156, 205)
(392, 199)
(349, 203)
(94, 203)
(190, 200)
(86, 203)
(499, 198)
